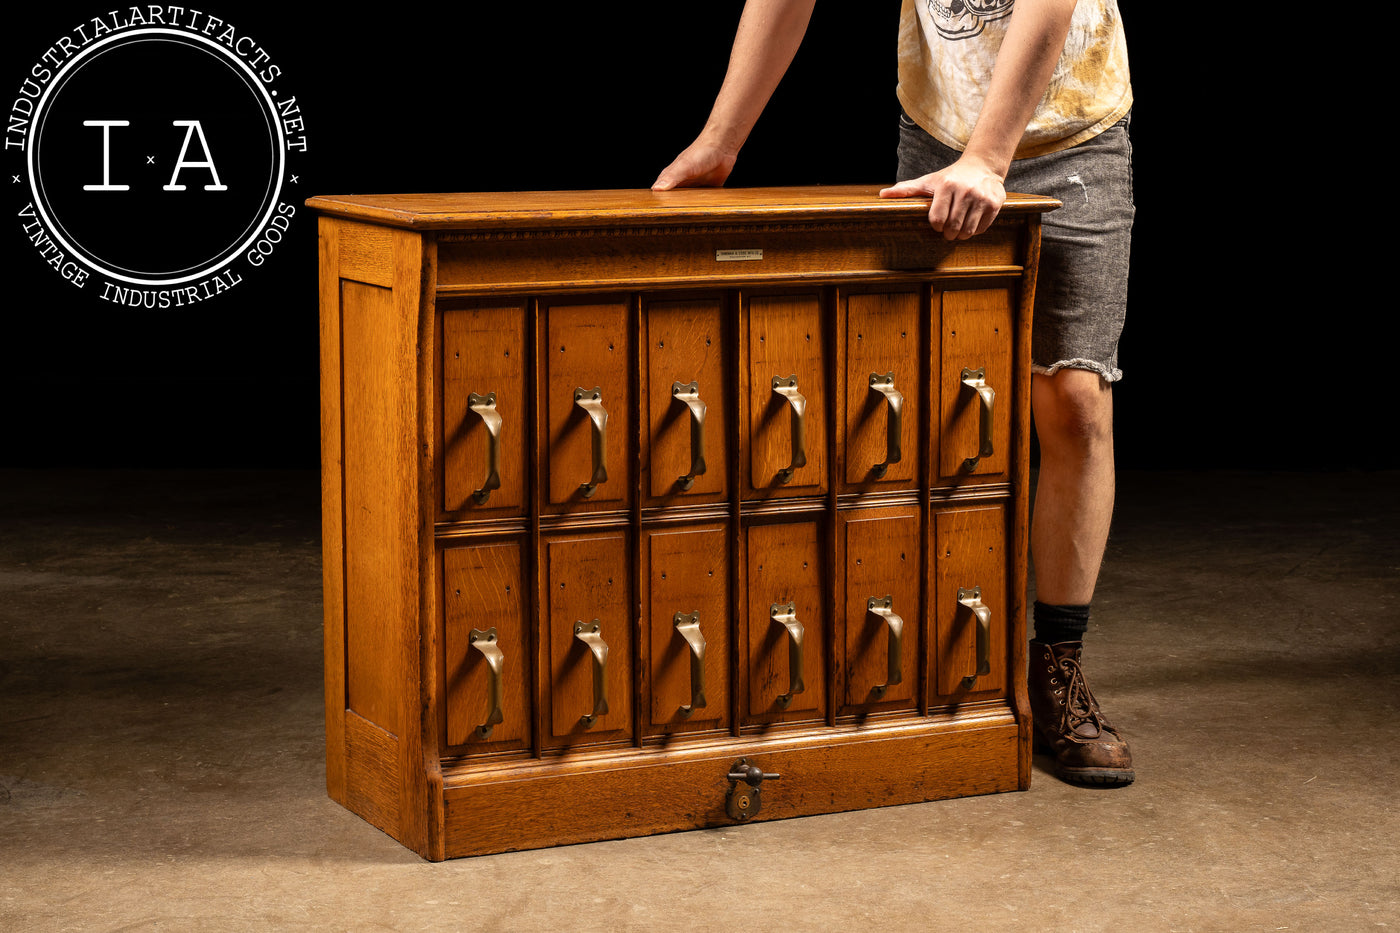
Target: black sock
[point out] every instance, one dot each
(1054, 624)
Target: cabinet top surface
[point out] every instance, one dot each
(522, 209)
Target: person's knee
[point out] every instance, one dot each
(1073, 407)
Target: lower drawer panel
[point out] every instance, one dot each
(587, 640)
(787, 625)
(969, 603)
(487, 648)
(686, 627)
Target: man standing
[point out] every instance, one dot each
(1033, 95)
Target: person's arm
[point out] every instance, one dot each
(769, 34)
(968, 194)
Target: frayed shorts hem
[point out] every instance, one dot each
(1109, 374)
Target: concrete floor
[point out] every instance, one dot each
(161, 741)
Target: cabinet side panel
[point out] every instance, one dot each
(371, 785)
(366, 254)
(1020, 543)
(378, 373)
(332, 509)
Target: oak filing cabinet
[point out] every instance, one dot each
(653, 511)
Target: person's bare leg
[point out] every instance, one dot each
(1074, 490)
(1073, 412)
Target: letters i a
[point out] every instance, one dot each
(192, 127)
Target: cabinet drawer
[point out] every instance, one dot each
(486, 644)
(882, 616)
(786, 628)
(687, 627)
(787, 395)
(883, 388)
(975, 383)
(587, 420)
(685, 391)
(587, 659)
(967, 557)
(484, 412)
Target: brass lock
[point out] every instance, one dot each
(744, 799)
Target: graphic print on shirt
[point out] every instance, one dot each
(965, 19)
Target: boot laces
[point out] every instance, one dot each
(1080, 706)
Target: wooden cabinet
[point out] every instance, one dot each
(632, 498)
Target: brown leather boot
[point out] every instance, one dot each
(1067, 718)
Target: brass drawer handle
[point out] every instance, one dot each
(485, 642)
(485, 407)
(786, 388)
(883, 606)
(590, 634)
(689, 393)
(785, 614)
(972, 599)
(688, 625)
(591, 401)
(976, 380)
(885, 386)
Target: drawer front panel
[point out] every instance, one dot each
(786, 626)
(688, 610)
(787, 395)
(883, 608)
(588, 651)
(487, 646)
(968, 582)
(586, 348)
(883, 388)
(484, 410)
(686, 392)
(975, 378)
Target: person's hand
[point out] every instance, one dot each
(967, 197)
(699, 166)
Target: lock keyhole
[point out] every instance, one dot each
(744, 799)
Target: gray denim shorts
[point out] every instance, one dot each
(1081, 293)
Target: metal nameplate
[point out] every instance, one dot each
(738, 255)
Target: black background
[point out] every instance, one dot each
(1253, 340)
